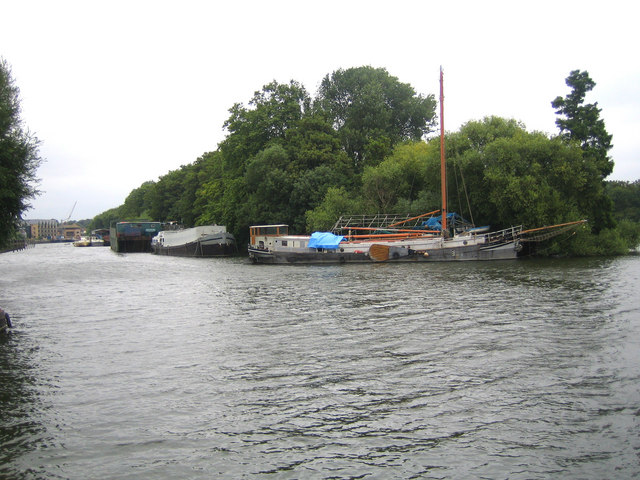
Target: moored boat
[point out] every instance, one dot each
(91, 241)
(386, 242)
(104, 234)
(133, 237)
(202, 241)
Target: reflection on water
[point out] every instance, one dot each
(136, 366)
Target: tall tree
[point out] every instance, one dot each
(373, 112)
(19, 157)
(271, 112)
(582, 123)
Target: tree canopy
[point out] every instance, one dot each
(19, 158)
(359, 146)
(581, 123)
(372, 111)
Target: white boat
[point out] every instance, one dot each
(89, 242)
(202, 241)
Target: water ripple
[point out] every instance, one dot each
(136, 366)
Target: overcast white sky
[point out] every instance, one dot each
(122, 92)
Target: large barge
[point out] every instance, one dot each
(202, 241)
(273, 244)
(133, 237)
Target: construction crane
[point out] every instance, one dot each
(71, 212)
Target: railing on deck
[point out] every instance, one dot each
(380, 220)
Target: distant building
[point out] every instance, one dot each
(43, 229)
(52, 230)
(70, 231)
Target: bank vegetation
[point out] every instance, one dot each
(366, 143)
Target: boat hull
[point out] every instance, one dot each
(268, 257)
(133, 237)
(505, 251)
(218, 248)
(201, 241)
(131, 245)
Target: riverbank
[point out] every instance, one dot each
(18, 245)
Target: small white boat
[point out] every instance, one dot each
(89, 242)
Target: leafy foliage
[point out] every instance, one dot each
(626, 199)
(19, 158)
(581, 123)
(372, 111)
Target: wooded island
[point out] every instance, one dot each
(362, 145)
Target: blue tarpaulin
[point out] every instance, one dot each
(433, 223)
(324, 240)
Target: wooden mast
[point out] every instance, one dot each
(443, 167)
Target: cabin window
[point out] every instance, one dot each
(284, 243)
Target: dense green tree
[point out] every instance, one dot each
(336, 202)
(372, 112)
(582, 123)
(229, 194)
(271, 112)
(164, 198)
(316, 163)
(207, 205)
(107, 218)
(19, 158)
(522, 181)
(400, 176)
(183, 209)
(309, 190)
(234, 209)
(269, 186)
(626, 199)
(312, 143)
(135, 205)
(511, 176)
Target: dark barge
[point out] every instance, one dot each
(133, 237)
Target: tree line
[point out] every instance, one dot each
(365, 144)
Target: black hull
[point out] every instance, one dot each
(196, 249)
(264, 256)
(131, 245)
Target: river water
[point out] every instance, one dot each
(139, 366)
